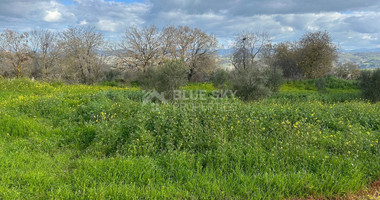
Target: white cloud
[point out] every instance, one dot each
(287, 29)
(352, 24)
(369, 37)
(107, 25)
(53, 16)
(83, 22)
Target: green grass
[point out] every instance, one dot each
(81, 142)
(337, 90)
(199, 86)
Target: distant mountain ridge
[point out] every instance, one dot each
(363, 50)
(366, 60)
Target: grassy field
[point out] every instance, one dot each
(78, 142)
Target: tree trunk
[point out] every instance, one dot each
(190, 75)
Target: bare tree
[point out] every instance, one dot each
(347, 70)
(15, 50)
(168, 49)
(202, 53)
(146, 47)
(81, 46)
(247, 47)
(193, 46)
(44, 51)
(140, 47)
(184, 41)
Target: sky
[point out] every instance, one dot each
(353, 24)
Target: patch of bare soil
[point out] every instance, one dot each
(373, 193)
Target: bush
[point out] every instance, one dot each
(166, 78)
(369, 84)
(255, 83)
(274, 79)
(220, 78)
(320, 84)
(339, 83)
(109, 83)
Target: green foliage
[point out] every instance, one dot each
(109, 83)
(321, 84)
(255, 83)
(298, 86)
(221, 78)
(331, 84)
(100, 142)
(199, 86)
(274, 79)
(166, 78)
(336, 90)
(339, 83)
(370, 84)
(250, 84)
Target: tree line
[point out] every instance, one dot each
(82, 55)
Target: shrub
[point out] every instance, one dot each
(320, 84)
(109, 83)
(166, 78)
(220, 78)
(339, 83)
(254, 83)
(274, 79)
(369, 84)
(146, 79)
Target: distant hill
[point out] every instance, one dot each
(375, 50)
(366, 60)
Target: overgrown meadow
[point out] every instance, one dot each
(62, 141)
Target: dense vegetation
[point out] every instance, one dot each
(370, 83)
(77, 141)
